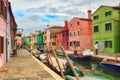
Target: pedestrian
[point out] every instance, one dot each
(96, 48)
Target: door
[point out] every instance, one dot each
(101, 46)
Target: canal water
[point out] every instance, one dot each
(91, 67)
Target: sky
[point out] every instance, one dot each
(34, 15)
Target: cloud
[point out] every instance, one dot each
(32, 15)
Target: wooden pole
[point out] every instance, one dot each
(57, 61)
(50, 58)
(71, 65)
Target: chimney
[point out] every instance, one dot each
(89, 14)
(66, 24)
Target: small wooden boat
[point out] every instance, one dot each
(76, 57)
(110, 64)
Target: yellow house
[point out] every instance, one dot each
(52, 36)
(31, 41)
(44, 38)
(54, 40)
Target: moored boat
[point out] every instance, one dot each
(110, 64)
(76, 57)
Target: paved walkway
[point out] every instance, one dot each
(25, 67)
(108, 56)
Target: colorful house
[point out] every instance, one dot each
(40, 40)
(63, 36)
(54, 40)
(11, 30)
(49, 35)
(27, 41)
(3, 30)
(106, 28)
(80, 33)
(31, 40)
(44, 39)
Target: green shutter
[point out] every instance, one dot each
(110, 26)
(105, 44)
(110, 44)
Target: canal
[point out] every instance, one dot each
(91, 67)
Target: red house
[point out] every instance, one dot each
(80, 33)
(63, 36)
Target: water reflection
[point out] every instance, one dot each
(92, 67)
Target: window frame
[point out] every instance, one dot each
(108, 26)
(108, 44)
(78, 23)
(108, 13)
(96, 17)
(96, 28)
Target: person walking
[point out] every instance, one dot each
(96, 48)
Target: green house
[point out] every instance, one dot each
(106, 29)
(26, 41)
(40, 40)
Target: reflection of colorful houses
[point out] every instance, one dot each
(3, 30)
(106, 28)
(80, 33)
(63, 36)
(50, 34)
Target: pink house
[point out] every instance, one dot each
(3, 30)
(63, 36)
(80, 33)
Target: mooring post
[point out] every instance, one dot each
(71, 65)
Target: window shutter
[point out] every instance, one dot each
(110, 12)
(105, 27)
(110, 26)
(105, 44)
(110, 44)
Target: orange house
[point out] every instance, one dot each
(52, 36)
(80, 33)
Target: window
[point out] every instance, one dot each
(70, 34)
(53, 43)
(67, 33)
(70, 25)
(71, 44)
(77, 43)
(1, 45)
(62, 34)
(78, 23)
(50, 37)
(96, 17)
(108, 13)
(108, 44)
(108, 27)
(78, 33)
(55, 36)
(74, 34)
(96, 29)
